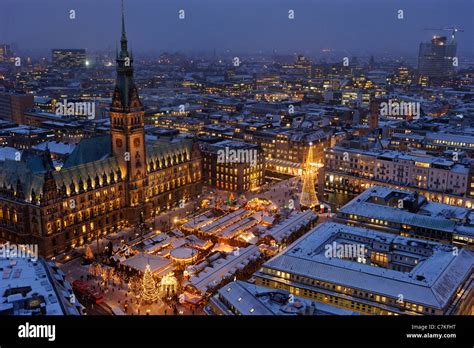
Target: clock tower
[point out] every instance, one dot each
(128, 133)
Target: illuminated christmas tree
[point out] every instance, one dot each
(149, 291)
(308, 196)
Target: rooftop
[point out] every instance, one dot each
(432, 281)
(35, 287)
(383, 203)
(250, 299)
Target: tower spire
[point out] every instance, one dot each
(123, 40)
(125, 90)
(123, 23)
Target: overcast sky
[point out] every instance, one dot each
(354, 26)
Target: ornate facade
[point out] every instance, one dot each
(106, 183)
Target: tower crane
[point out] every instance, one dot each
(452, 29)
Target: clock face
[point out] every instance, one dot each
(136, 142)
(119, 142)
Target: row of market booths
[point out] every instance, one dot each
(218, 269)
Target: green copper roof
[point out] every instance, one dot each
(89, 150)
(28, 175)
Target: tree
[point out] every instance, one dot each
(149, 292)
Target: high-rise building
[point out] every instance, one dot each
(435, 58)
(5, 52)
(69, 58)
(13, 106)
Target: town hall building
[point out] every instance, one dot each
(107, 182)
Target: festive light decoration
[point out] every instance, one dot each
(308, 196)
(169, 282)
(95, 269)
(149, 292)
(230, 199)
(88, 254)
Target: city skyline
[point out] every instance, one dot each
(207, 26)
(233, 184)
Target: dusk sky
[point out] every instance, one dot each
(250, 26)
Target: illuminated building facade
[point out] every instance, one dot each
(233, 166)
(107, 182)
(286, 150)
(352, 170)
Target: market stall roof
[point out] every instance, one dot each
(183, 253)
(159, 265)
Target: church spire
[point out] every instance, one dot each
(125, 95)
(123, 40)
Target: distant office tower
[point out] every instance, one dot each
(435, 58)
(5, 52)
(69, 58)
(13, 106)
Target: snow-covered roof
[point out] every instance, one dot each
(159, 265)
(39, 281)
(374, 203)
(290, 225)
(55, 147)
(225, 221)
(223, 267)
(249, 299)
(431, 282)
